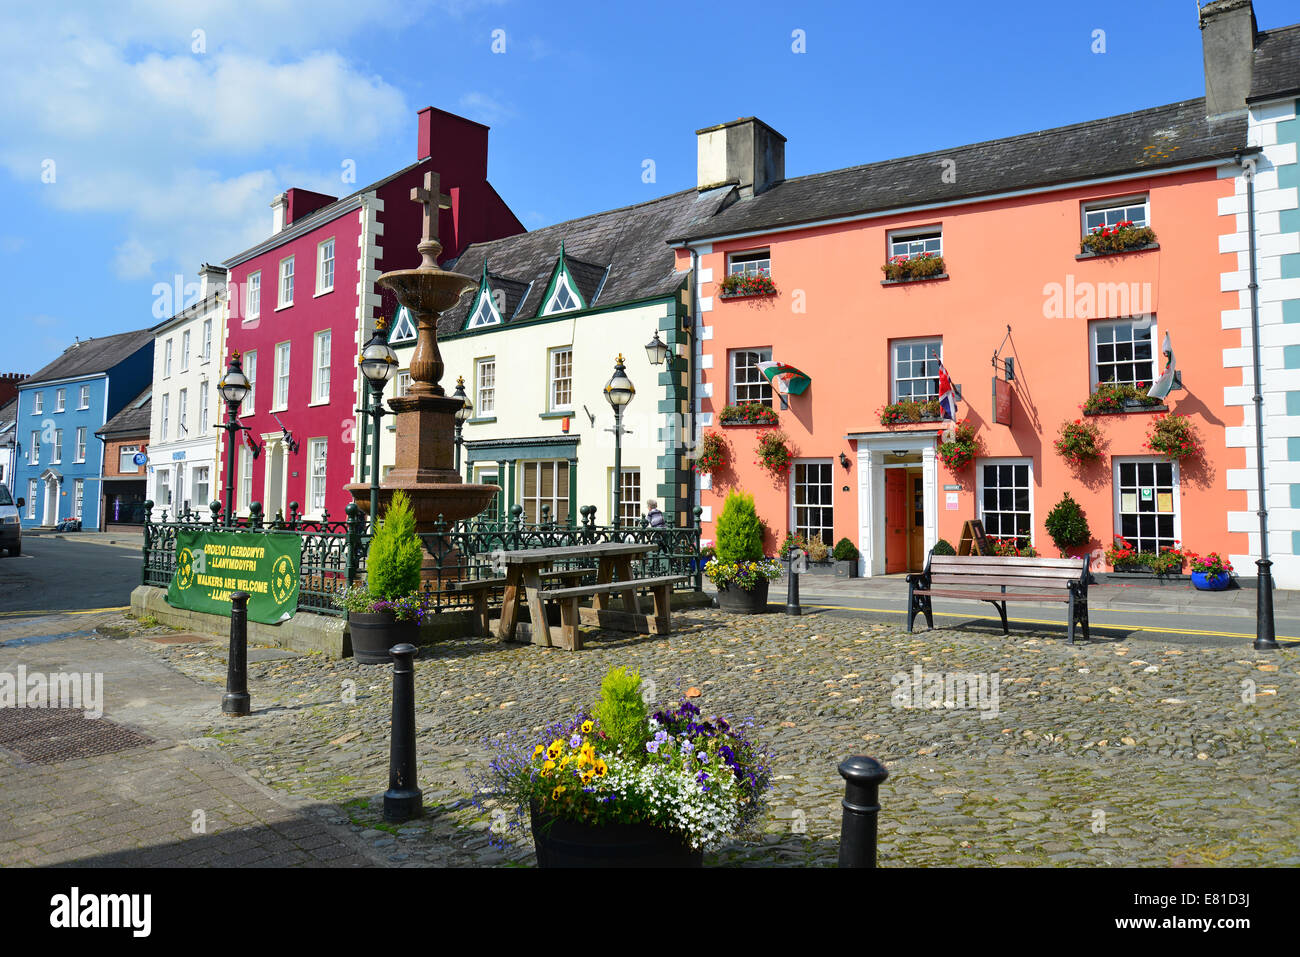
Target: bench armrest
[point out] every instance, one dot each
(919, 578)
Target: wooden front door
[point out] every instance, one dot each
(895, 521)
(915, 521)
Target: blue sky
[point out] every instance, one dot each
(164, 155)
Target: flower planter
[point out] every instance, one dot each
(846, 569)
(563, 843)
(743, 602)
(373, 633)
(1204, 581)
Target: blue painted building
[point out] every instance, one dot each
(60, 460)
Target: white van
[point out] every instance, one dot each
(11, 528)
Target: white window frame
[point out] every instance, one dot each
(929, 342)
(78, 497)
(185, 351)
(83, 397)
(81, 444)
(34, 450)
(280, 402)
(324, 265)
(167, 359)
(1094, 370)
(750, 262)
(764, 354)
(320, 368)
(204, 398)
(1155, 460)
(914, 241)
(1121, 206)
(402, 383)
(164, 484)
(245, 497)
(33, 487)
(56, 453)
(38, 403)
(403, 328)
(980, 487)
(164, 408)
(205, 484)
(485, 311)
(249, 366)
(60, 400)
(285, 284)
(317, 464)
(125, 456)
(207, 340)
(481, 408)
(253, 296)
(182, 414)
(629, 508)
(796, 526)
(554, 381)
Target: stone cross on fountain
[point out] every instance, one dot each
(433, 202)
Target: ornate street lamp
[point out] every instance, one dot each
(378, 363)
(234, 389)
(462, 415)
(656, 350)
(618, 393)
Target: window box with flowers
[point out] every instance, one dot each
(959, 451)
(1174, 437)
(1124, 556)
(1013, 548)
(748, 413)
(740, 285)
(1123, 237)
(1111, 398)
(906, 411)
(912, 268)
(1079, 442)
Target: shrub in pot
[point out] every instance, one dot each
(387, 610)
(943, 547)
(740, 570)
(846, 559)
(1067, 524)
(620, 788)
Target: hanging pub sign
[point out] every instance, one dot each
(1001, 401)
(211, 565)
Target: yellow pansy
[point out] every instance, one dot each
(557, 792)
(537, 751)
(601, 768)
(586, 727)
(548, 766)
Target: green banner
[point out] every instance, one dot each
(211, 565)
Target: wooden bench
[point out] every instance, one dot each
(987, 578)
(630, 619)
(481, 589)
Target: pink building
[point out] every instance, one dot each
(303, 300)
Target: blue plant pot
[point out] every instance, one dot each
(1207, 582)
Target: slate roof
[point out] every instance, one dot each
(133, 419)
(92, 356)
(8, 415)
(1277, 64)
(1147, 139)
(620, 253)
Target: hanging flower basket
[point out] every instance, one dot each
(711, 455)
(774, 452)
(961, 450)
(1174, 437)
(1079, 442)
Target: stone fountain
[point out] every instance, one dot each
(426, 422)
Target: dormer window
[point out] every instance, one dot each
(563, 298)
(403, 328)
(485, 312)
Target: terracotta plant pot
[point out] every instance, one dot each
(373, 633)
(562, 843)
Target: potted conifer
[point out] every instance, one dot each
(740, 570)
(387, 610)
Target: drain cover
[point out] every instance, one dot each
(51, 735)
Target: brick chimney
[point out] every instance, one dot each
(279, 212)
(9, 385)
(746, 152)
(1228, 43)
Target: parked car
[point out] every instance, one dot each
(11, 529)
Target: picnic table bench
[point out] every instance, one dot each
(524, 568)
(481, 589)
(988, 578)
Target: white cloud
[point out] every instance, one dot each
(133, 260)
(483, 108)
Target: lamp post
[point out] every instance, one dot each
(462, 415)
(378, 363)
(656, 351)
(234, 389)
(618, 393)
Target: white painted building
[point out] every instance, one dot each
(187, 408)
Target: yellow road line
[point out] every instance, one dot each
(1059, 624)
(79, 611)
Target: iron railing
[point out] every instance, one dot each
(333, 553)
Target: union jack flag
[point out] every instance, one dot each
(947, 396)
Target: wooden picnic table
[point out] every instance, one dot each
(523, 581)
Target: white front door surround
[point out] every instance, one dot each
(872, 449)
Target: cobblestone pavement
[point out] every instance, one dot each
(175, 801)
(1149, 753)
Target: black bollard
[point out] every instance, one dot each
(402, 800)
(863, 777)
(236, 700)
(792, 586)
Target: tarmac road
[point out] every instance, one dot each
(57, 576)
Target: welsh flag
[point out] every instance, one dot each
(947, 396)
(785, 378)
